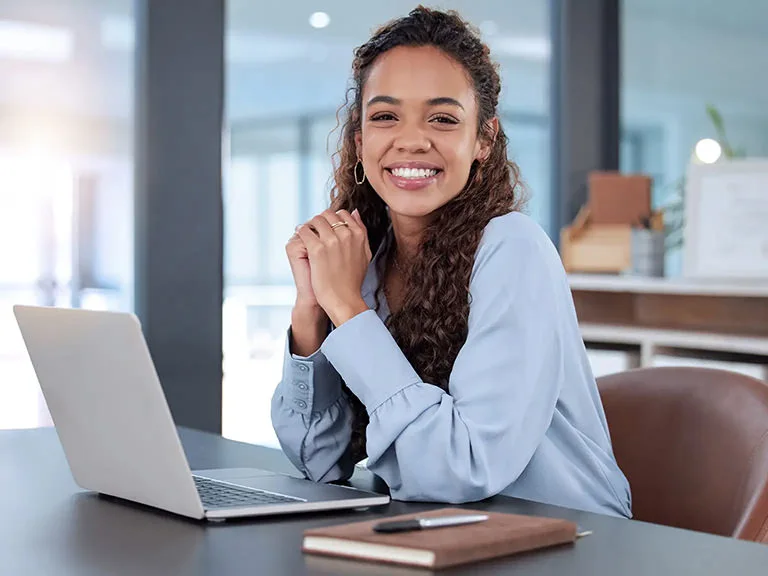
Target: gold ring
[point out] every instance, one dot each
(337, 224)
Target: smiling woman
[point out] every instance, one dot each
(420, 128)
(433, 330)
(286, 80)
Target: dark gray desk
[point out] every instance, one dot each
(49, 526)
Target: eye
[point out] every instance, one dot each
(382, 117)
(444, 119)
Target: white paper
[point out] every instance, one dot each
(732, 224)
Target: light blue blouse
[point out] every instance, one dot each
(522, 416)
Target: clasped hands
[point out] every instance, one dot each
(329, 264)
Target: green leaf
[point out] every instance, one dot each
(716, 119)
(717, 122)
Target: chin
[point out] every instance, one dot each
(412, 207)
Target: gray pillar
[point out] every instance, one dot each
(585, 98)
(178, 205)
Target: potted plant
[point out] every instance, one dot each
(674, 207)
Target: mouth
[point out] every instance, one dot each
(413, 176)
(414, 173)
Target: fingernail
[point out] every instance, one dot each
(355, 212)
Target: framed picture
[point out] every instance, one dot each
(726, 220)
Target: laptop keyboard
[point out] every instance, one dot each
(215, 494)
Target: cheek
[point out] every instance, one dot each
(460, 153)
(373, 147)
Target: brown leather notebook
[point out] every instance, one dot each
(500, 535)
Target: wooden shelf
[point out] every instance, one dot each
(655, 319)
(632, 335)
(681, 286)
(651, 344)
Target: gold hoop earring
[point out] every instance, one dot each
(362, 180)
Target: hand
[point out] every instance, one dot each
(338, 259)
(309, 322)
(298, 258)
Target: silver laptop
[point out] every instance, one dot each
(113, 420)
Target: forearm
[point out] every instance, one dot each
(309, 327)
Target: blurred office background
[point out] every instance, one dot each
(67, 137)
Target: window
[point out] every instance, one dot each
(678, 57)
(66, 171)
(285, 81)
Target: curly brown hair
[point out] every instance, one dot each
(431, 326)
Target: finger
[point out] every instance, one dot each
(296, 247)
(353, 223)
(331, 216)
(310, 239)
(358, 220)
(323, 228)
(345, 216)
(295, 236)
(357, 228)
(334, 220)
(356, 215)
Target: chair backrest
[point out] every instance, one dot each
(693, 443)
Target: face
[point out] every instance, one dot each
(419, 132)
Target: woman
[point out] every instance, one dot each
(452, 358)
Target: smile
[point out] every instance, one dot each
(413, 178)
(413, 173)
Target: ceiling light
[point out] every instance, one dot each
(25, 41)
(708, 151)
(319, 20)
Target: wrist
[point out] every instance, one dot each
(309, 327)
(308, 311)
(346, 311)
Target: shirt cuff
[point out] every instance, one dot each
(369, 360)
(310, 383)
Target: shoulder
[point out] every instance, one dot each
(517, 275)
(515, 242)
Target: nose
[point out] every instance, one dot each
(411, 138)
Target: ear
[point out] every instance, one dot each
(487, 139)
(359, 144)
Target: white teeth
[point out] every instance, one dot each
(413, 172)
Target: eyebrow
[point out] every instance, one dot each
(431, 102)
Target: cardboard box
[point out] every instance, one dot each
(598, 248)
(616, 198)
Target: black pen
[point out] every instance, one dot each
(426, 523)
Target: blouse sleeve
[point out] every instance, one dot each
(312, 418)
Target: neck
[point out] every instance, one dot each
(408, 233)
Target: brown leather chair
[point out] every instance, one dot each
(693, 443)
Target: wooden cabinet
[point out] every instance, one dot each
(658, 321)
